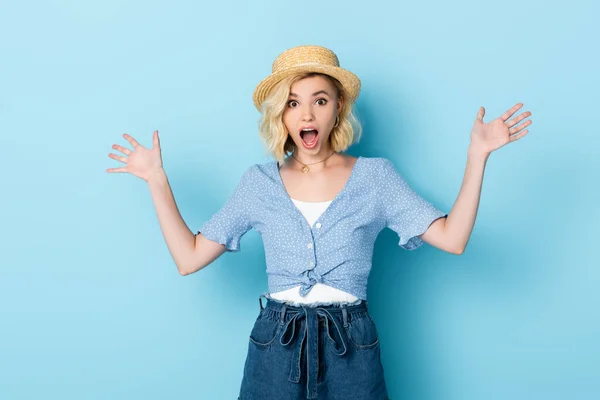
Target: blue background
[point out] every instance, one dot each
(91, 303)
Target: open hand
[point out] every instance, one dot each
(142, 162)
(487, 137)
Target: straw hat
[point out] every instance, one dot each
(306, 59)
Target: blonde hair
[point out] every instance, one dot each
(274, 133)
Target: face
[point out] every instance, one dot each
(309, 116)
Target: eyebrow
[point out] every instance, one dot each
(314, 94)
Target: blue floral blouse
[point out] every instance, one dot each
(337, 250)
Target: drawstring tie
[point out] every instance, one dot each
(308, 329)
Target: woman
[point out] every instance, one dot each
(319, 212)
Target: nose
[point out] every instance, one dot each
(307, 113)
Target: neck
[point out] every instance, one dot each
(303, 158)
(317, 163)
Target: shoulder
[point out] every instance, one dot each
(381, 172)
(259, 173)
(378, 166)
(258, 168)
(263, 169)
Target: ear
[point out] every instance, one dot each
(340, 103)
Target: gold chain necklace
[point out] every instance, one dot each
(305, 168)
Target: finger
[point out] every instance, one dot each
(521, 117)
(122, 169)
(520, 127)
(118, 158)
(480, 114)
(122, 149)
(510, 112)
(155, 140)
(518, 135)
(131, 140)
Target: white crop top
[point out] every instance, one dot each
(319, 293)
(311, 210)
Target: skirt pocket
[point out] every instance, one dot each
(362, 332)
(265, 329)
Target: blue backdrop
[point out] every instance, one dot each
(91, 303)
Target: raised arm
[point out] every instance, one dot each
(454, 231)
(190, 253)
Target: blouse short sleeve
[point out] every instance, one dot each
(406, 213)
(232, 221)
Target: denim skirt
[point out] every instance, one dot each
(313, 352)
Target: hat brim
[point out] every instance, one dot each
(349, 81)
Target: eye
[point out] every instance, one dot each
(323, 102)
(290, 103)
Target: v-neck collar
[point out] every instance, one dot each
(340, 193)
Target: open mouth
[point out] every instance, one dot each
(309, 137)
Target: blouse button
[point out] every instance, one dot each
(309, 245)
(318, 225)
(311, 264)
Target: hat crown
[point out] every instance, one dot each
(306, 59)
(305, 55)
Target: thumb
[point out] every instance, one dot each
(480, 114)
(155, 140)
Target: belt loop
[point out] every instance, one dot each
(260, 301)
(345, 315)
(283, 308)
